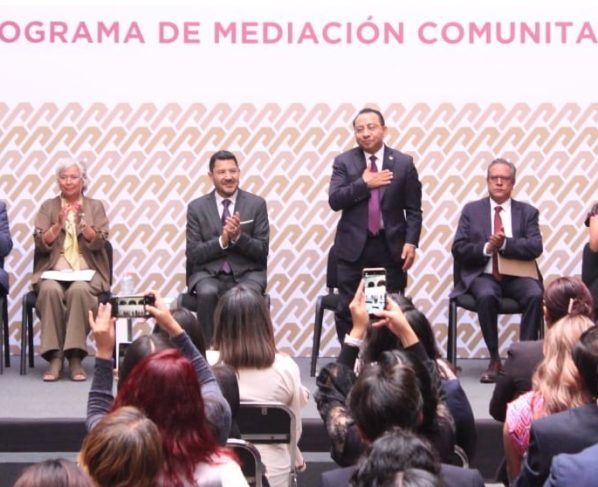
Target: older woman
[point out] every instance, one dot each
(70, 234)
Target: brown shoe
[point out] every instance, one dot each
(489, 376)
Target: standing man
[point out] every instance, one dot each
(227, 239)
(378, 190)
(488, 227)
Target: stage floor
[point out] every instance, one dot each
(27, 396)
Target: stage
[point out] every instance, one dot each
(46, 420)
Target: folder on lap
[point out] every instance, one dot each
(69, 275)
(518, 268)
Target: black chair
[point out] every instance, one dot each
(506, 306)
(250, 459)
(28, 304)
(269, 423)
(4, 345)
(324, 302)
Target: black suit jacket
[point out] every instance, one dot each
(451, 476)
(569, 431)
(5, 246)
(515, 378)
(247, 257)
(474, 230)
(400, 203)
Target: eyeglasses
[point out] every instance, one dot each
(496, 179)
(64, 179)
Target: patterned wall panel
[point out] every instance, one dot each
(147, 162)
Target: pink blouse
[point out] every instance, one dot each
(520, 414)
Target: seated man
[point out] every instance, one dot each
(589, 263)
(569, 431)
(227, 239)
(489, 227)
(5, 247)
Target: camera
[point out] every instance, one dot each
(131, 306)
(374, 289)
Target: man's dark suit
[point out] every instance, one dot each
(574, 470)
(569, 431)
(400, 207)
(247, 257)
(5, 247)
(515, 378)
(451, 477)
(473, 232)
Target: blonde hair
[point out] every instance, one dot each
(557, 379)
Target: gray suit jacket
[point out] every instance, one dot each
(574, 470)
(248, 257)
(5, 246)
(400, 203)
(474, 230)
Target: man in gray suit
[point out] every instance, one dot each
(227, 239)
(379, 193)
(5, 247)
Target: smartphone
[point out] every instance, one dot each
(374, 289)
(131, 306)
(122, 350)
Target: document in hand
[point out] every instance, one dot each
(518, 268)
(69, 275)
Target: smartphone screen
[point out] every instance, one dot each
(374, 289)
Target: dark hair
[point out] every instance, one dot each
(139, 349)
(222, 155)
(386, 394)
(568, 295)
(226, 377)
(506, 163)
(243, 331)
(190, 324)
(164, 386)
(395, 451)
(53, 473)
(593, 212)
(585, 356)
(123, 450)
(370, 110)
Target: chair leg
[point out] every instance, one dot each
(24, 337)
(451, 340)
(30, 336)
(315, 349)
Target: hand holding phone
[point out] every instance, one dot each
(374, 279)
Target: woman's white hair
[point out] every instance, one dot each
(68, 162)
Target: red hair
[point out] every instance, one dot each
(164, 386)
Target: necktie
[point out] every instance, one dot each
(226, 268)
(497, 228)
(374, 204)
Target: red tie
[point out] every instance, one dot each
(225, 214)
(497, 228)
(374, 204)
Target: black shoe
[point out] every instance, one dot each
(489, 376)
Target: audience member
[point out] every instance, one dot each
(589, 263)
(385, 395)
(561, 296)
(70, 234)
(171, 390)
(381, 338)
(556, 386)
(398, 452)
(190, 324)
(336, 381)
(228, 237)
(53, 473)
(490, 228)
(569, 431)
(244, 340)
(123, 450)
(574, 469)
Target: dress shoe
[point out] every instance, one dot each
(489, 376)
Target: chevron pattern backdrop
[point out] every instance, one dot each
(146, 162)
